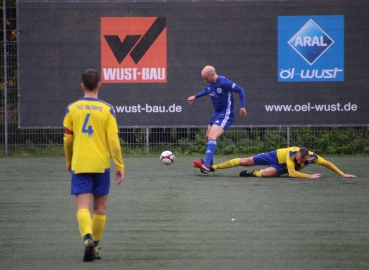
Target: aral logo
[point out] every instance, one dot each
(310, 42)
(311, 48)
(133, 50)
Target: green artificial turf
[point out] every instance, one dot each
(173, 217)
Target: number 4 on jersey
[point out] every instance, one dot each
(87, 129)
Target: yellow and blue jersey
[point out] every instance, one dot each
(284, 161)
(91, 121)
(287, 157)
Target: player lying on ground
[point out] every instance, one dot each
(281, 161)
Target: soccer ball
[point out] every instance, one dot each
(167, 157)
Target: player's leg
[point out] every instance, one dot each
(85, 224)
(267, 172)
(207, 132)
(261, 159)
(100, 197)
(219, 123)
(207, 141)
(234, 163)
(216, 126)
(83, 215)
(213, 133)
(98, 221)
(273, 170)
(82, 187)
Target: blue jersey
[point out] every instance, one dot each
(221, 94)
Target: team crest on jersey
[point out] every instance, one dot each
(219, 90)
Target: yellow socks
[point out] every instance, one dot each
(84, 222)
(91, 227)
(234, 163)
(258, 173)
(98, 225)
(228, 164)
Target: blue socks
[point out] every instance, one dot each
(211, 147)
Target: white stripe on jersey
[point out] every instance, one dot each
(228, 111)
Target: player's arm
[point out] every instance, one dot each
(292, 171)
(201, 94)
(68, 147)
(116, 155)
(331, 166)
(242, 95)
(68, 139)
(114, 146)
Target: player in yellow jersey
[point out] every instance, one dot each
(90, 139)
(281, 161)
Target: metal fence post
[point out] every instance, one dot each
(5, 81)
(288, 137)
(147, 141)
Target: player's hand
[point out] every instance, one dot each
(69, 167)
(315, 175)
(191, 99)
(243, 112)
(346, 175)
(119, 176)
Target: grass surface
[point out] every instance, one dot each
(173, 217)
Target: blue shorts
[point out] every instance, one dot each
(270, 159)
(224, 119)
(96, 183)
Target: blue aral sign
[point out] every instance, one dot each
(310, 48)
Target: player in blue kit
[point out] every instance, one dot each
(220, 90)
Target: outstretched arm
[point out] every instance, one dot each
(293, 173)
(201, 94)
(332, 167)
(315, 175)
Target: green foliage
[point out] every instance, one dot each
(305, 137)
(275, 140)
(343, 141)
(128, 149)
(236, 142)
(30, 149)
(195, 147)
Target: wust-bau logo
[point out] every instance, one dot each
(133, 50)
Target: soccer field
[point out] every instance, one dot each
(173, 217)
